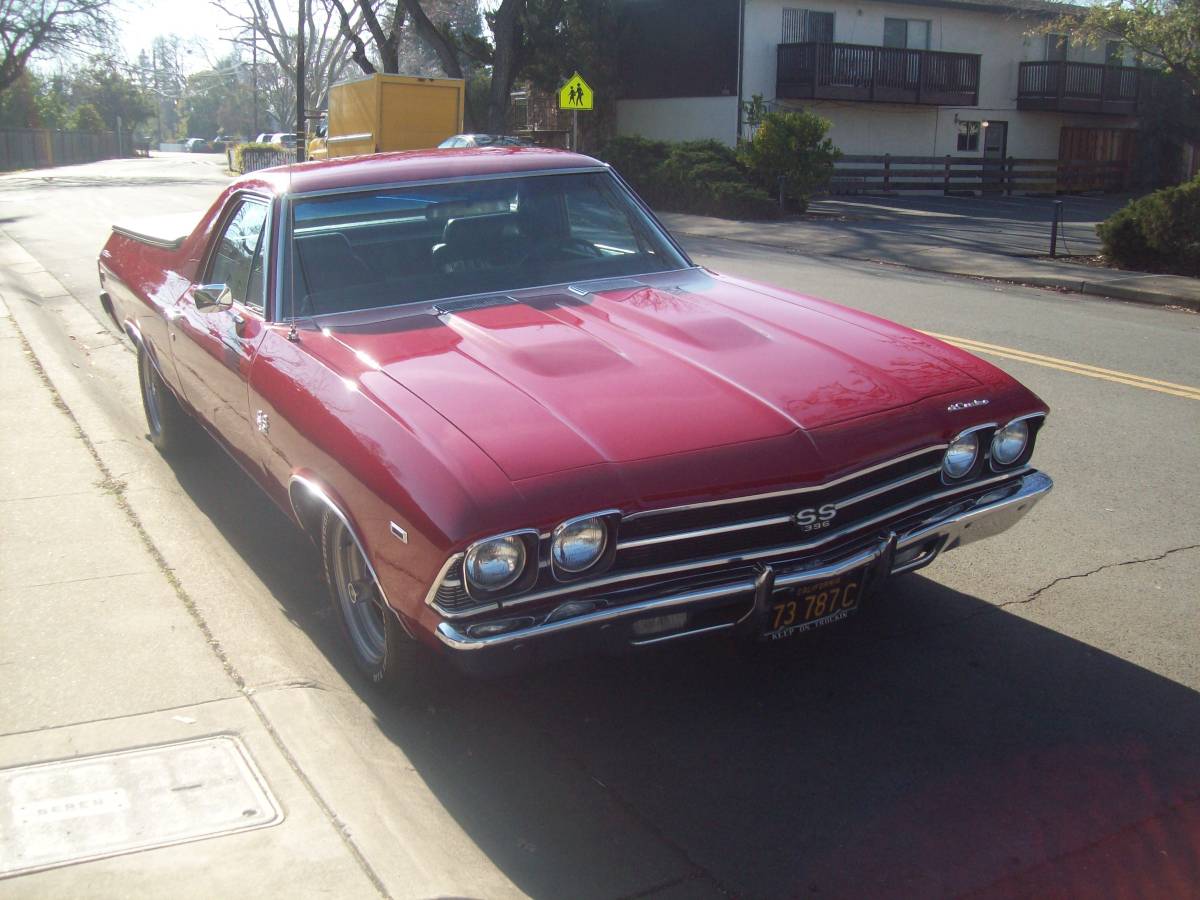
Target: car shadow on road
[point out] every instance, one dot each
(936, 745)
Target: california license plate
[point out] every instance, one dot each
(794, 610)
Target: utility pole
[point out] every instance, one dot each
(300, 129)
(254, 76)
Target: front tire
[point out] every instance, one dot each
(171, 430)
(382, 650)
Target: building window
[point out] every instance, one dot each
(911, 34)
(1114, 53)
(1056, 47)
(968, 137)
(801, 26)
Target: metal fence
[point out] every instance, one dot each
(39, 148)
(252, 159)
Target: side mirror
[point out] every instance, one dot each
(212, 298)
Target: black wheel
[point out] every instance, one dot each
(382, 649)
(172, 430)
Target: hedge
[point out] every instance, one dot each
(1159, 232)
(702, 177)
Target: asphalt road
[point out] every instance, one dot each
(1020, 718)
(1010, 226)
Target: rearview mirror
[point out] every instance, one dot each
(211, 298)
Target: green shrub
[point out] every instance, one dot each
(702, 177)
(637, 159)
(1160, 231)
(791, 146)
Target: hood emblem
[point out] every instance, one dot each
(965, 404)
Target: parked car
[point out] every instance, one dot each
(519, 422)
(285, 139)
(483, 140)
(196, 145)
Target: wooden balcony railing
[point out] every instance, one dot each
(820, 71)
(1081, 87)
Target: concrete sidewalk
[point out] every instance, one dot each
(100, 655)
(910, 246)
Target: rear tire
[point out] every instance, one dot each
(383, 651)
(171, 429)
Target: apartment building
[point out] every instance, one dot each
(912, 78)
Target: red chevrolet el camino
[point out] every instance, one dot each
(519, 422)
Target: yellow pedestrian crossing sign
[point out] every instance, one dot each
(575, 94)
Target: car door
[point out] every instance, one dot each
(215, 342)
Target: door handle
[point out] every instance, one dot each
(239, 321)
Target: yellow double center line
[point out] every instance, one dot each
(1066, 365)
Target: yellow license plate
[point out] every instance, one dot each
(794, 610)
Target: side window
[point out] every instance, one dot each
(238, 262)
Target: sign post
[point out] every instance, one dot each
(575, 95)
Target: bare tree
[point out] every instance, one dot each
(328, 49)
(386, 39)
(29, 27)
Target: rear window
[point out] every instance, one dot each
(413, 244)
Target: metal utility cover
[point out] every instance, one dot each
(58, 813)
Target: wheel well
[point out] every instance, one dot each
(308, 509)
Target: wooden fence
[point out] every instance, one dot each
(954, 174)
(40, 148)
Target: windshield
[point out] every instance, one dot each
(401, 244)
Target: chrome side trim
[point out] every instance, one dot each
(987, 516)
(772, 520)
(804, 490)
(711, 562)
(316, 490)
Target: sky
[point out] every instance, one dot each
(141, 21)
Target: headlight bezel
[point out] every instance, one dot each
(976, 460)
(609, 519)
(1033, 422)
(530, 541)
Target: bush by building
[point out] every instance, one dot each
(702, 177)
(1159, 232)
(790, 152)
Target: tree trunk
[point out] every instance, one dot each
(504, 64)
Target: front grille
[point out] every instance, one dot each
(729, 531)
(451, 596)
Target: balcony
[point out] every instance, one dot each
(821, 71)
(1082, 87)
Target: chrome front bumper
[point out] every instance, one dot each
(918, 545)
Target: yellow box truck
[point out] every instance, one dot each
(390, 112)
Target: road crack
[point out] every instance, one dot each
(1129, 562)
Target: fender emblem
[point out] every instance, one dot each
(263, 421)
(965, 404)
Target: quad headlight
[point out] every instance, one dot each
(961, 455)
(579, 544)
(1009, 443)
(496, 563)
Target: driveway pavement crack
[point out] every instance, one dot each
(1129, 562)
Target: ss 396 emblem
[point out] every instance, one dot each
(816, 518)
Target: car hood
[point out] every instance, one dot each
(630, 370)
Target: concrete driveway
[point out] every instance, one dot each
(1011, 226)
